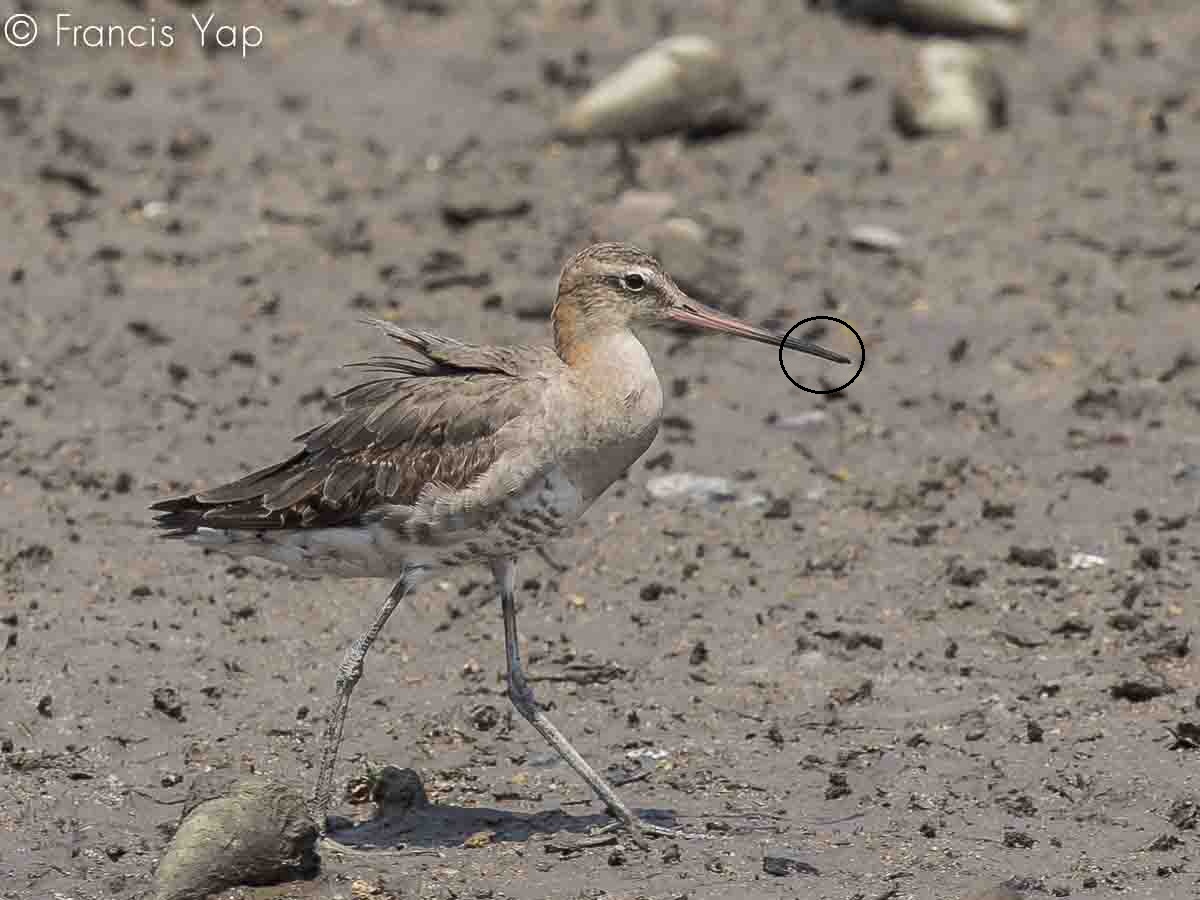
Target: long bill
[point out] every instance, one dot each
(692, 312)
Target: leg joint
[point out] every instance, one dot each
(351, 668)
(520, 693)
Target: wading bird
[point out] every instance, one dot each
(457, 454)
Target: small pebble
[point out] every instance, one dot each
(1139, 690)
(780, 508)
(166, 700)
(812, 420)
(1085, 561)
(1018, 839)
(708, 489)
(782, 862)
(1033, 557)
(875, 237)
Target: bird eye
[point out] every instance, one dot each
(634, 281)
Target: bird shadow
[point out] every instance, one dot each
(443, 826)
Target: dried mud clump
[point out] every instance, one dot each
(249, 832)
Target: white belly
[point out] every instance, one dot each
(368, 551)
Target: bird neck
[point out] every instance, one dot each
(584, 333)
(598, 346)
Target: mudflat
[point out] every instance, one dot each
(939, 638)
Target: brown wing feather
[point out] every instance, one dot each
(433, 419)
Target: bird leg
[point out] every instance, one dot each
(349, 673)
(522, 698)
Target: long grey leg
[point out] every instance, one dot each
(521, 695)
(349, 672)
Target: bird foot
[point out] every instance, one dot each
(639, 830)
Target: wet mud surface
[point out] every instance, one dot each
(950, 645)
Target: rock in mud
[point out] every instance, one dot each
(399, 791)
(248, 832)
(784, 862)
(958, 17)
(951, 88)
(685, 83)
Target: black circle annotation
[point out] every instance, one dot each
(861, 346)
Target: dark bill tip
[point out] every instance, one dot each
(814, 350)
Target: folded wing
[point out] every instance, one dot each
(435, 441)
